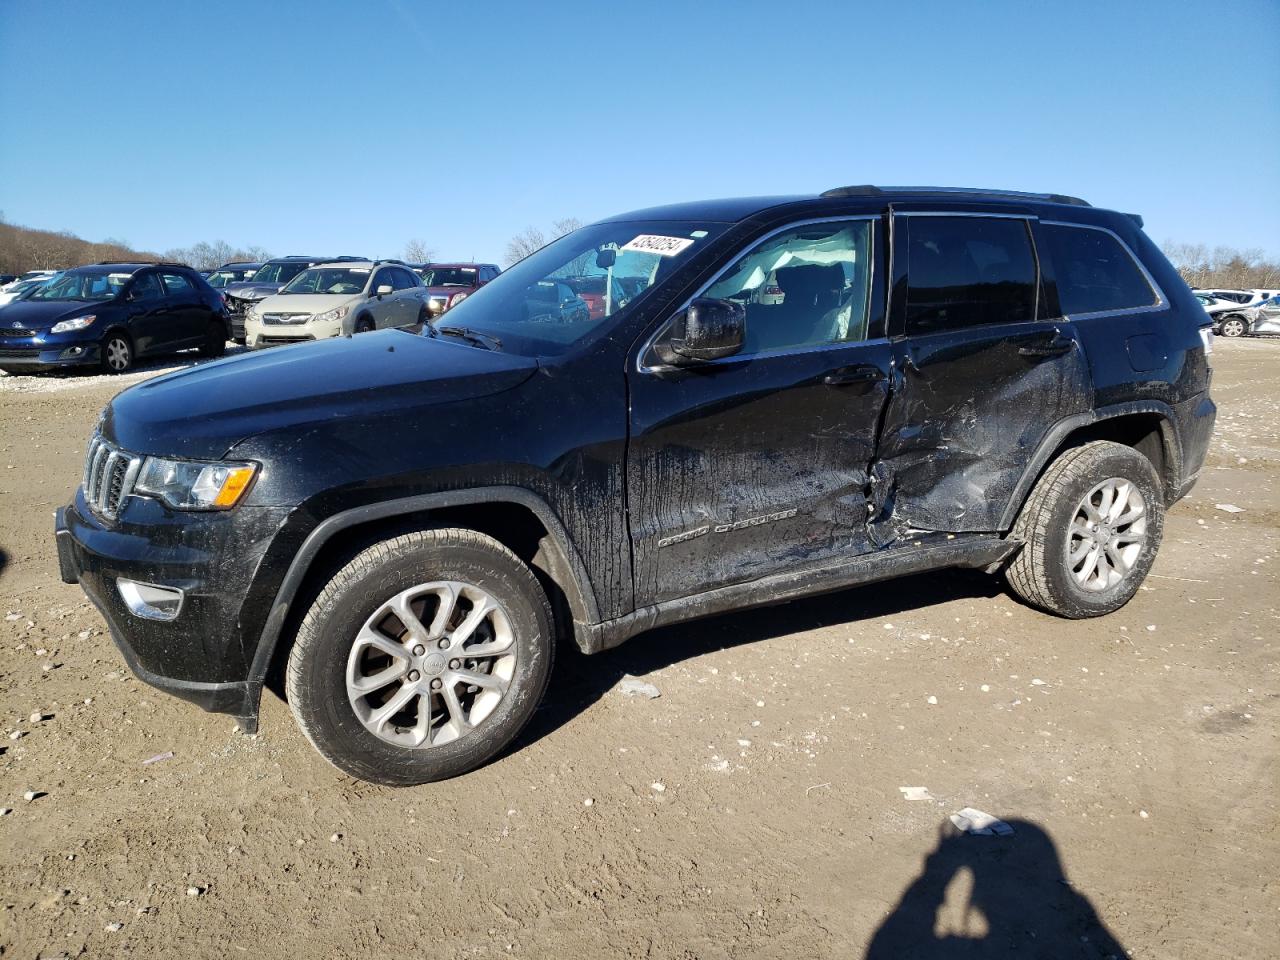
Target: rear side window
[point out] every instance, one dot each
(1095, 273)
(968, 272)
(176, 283)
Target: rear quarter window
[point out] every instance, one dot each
(1095, 272)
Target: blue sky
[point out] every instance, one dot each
(326, 127)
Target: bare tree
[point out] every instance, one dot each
(417, 251)
(531, 238)
(524, 243)
(1225, 267)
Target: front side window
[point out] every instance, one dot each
(967, 272)
(336, 280)
(806, 286)
(146, 286)
(1095, 273)
(622, 259)
(404, 279)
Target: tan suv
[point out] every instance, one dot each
(333, 299)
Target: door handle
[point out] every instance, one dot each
(859, 373)
(1055, 347)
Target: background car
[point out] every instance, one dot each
(229, 273)
(267, 280)
(1230, 317)
(7, 278)
(332, 299)
(20, 288)
(30, 275)
(1265, 320)
(554, 301)
(108, 315)
(448, 284)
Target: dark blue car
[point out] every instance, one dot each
(109, 314)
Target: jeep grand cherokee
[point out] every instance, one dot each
(406, 523)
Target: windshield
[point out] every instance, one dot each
(449, 277)
(343, 280)
(559, 295)
(279, 273)
(82, 286)
(223, 278)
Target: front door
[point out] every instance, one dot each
(150, 314)
(189, 317)
(754, 464)
(986, 367)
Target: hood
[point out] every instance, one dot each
(248, 290)
(306, 302)
(43, 314)
(204, 411)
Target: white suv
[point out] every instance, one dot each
(333, 299)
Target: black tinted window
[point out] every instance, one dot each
(176, 283)
(145, 287)
(967, 271)
(1094, 271)
(405, 280)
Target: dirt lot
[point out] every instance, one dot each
(753, 810)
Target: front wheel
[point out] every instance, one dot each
(1233, 327)
(117, 353)
(364, 325)
(1090, 531)
(422, 658)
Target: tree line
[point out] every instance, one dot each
(26, 248)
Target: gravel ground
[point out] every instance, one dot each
(753, 809)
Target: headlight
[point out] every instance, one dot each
(457, 298)
(337, 313)
(193, 485)
(75, 323)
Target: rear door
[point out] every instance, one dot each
(985, 368)
(757, 463)
(189, 316)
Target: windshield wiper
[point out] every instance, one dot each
(486, 340)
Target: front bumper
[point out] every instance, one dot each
(204, 655)
(29, 355)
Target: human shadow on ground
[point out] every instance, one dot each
(980, 896)
(578, 681)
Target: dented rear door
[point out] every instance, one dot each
(755, 464)
(981, 376)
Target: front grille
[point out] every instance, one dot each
(16, 332)
(109, 474)
(278, 319)
(29, 352)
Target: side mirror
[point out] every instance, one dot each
(383, 290)
(708, 330)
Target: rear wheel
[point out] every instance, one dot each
(215, 344)
(1090, 531)
(117, 353)
(1233, 327)
(422, 658)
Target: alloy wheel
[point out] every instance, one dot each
(1233, 328)
(431, 664)
(1108, 534)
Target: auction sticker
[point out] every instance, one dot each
(662, 246)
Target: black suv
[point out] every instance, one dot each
(109, 314)
(779, 397)
(268, 279)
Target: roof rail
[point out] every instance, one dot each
(143, 263)
(868, 190)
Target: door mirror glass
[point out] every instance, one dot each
(708, 330)
(383, 289)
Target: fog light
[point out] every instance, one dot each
(149, 601)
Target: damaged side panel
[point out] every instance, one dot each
(967, 411)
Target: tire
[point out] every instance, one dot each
(331, 647)
(1055, 522)
(364, 325)
(1233, 327)
(116, 353)
(215, 344)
